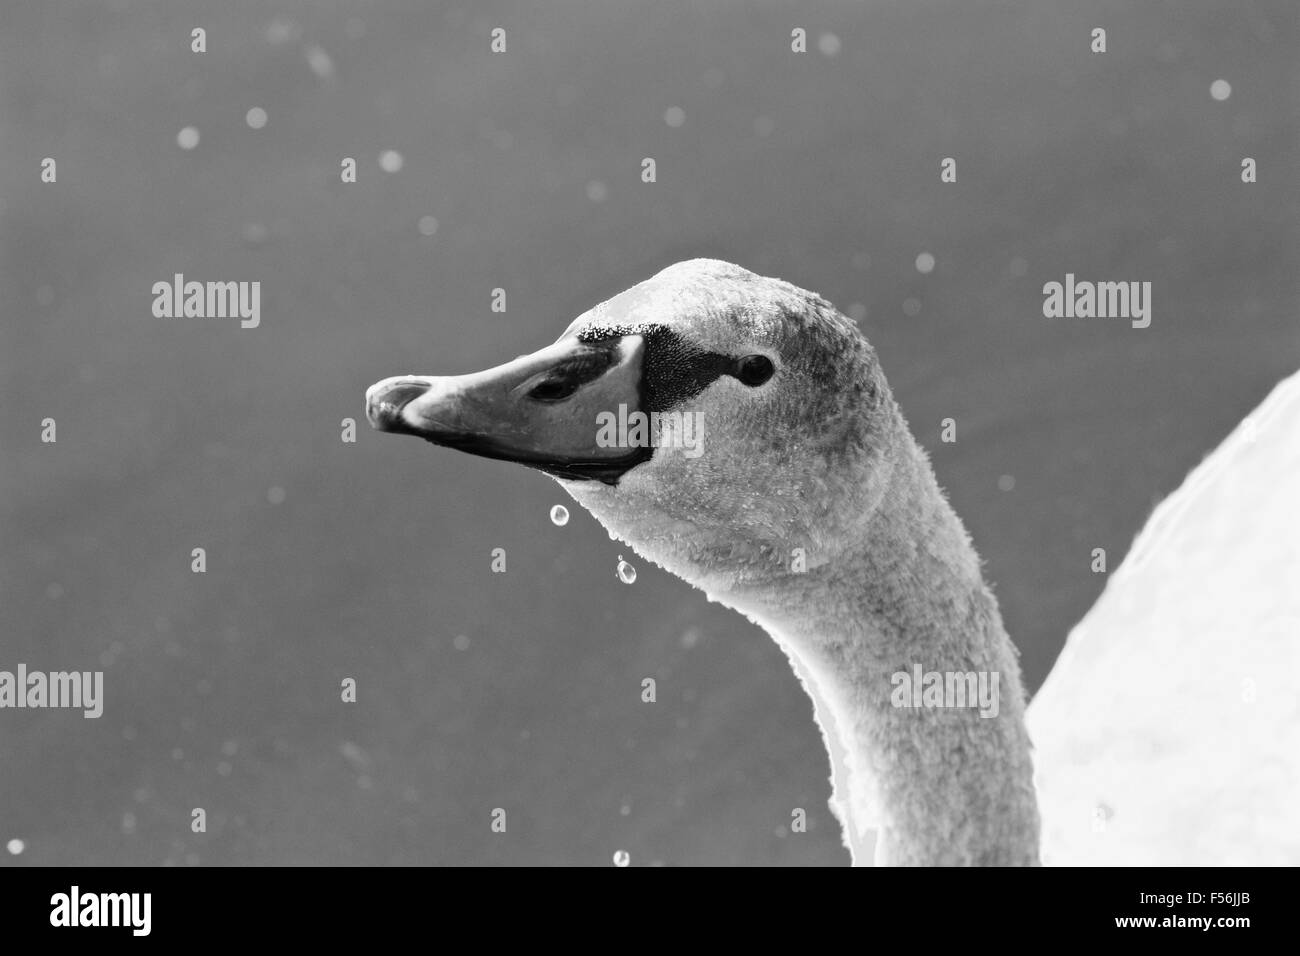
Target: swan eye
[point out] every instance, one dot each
(754, 370)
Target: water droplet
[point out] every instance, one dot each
(256, 117)
(911, 307)
(612, 535)
(461, 642)
(353, 754)
(1006, 483)
(829, 44)
(320, 61)
(15, 847)
(390, 160)
(275, 495)
(187, 138)
(282, 30)
(1220, 89)
(559, 515)
(674, 116)
(597, 191)
(626, 573)
(622, 858)
(924, 263)
(428, 225)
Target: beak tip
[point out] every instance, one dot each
(385, 401)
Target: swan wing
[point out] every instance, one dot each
(1168, 733)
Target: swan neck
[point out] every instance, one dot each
(904, 646)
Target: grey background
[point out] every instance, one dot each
(223, 688)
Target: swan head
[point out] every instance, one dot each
(730, 427)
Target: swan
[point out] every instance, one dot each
(1169, 729)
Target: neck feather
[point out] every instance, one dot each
(944, 784)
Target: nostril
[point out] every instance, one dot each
(552, 391)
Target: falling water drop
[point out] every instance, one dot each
(626, 573)
(319, 61)
(560, 515)
(622, 858)
(829, 44)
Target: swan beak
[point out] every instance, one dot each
(539, 410)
